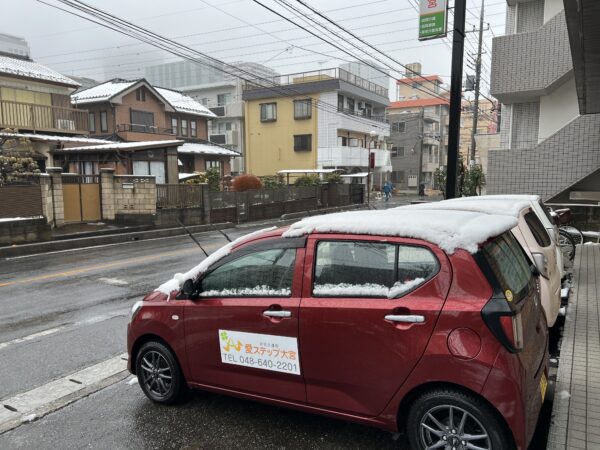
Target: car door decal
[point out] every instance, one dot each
(260, 351)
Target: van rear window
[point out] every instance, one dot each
(509, 264)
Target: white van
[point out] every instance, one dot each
(530, 233)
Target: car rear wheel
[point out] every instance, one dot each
(159, 374)
(448, 419)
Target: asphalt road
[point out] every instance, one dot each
(66, 311)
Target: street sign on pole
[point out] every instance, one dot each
(433, 19)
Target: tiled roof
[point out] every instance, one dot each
(121, 146)
(417, 102)
(206, 149)
(33, 70)
(102, 92)
(184, 103)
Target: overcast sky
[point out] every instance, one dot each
(232, 30)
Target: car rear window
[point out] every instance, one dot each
(537, 229)
(510, 266)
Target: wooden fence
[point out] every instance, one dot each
(20, 201)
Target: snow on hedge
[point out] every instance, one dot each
(258, 291)
(450, 230)
(476, 204)
(179, 278)
(366, 290)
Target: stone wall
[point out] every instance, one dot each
(24, 230)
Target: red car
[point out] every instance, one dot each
(428, 323)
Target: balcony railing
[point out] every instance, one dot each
(351, 156)
(317, 75)
(227, 138)
(363, 113)
(235, 109)
(28, 116)
(137, 128)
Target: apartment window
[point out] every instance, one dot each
(214, 164)
(268, 112)
(350, 104)
(184, 127)
(302, 142)
(193, 130)
(340, 102)
(103, 121)
(302, 109)
(398, 176)
(342, 141)
(223, 99)
(204, 101)
(397, 152)
(174, 125)
(92, 122)
(399, 127)
(224, 126)
(140, 94)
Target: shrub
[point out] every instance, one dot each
(334, 178)
(272, 181)
(246, 182)
(307, 180)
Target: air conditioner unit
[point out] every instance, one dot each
(361, 105)
(65, 124)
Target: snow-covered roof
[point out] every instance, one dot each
(51, 138)
(206, 149)
(476, 204)
(527, 197)
(184, 103)
(356, 175)
(185, 176)
(102, 92)
(293, 171)
(450, 230)
(33, 70)
(121, 146)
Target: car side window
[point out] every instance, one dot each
(267, 273)
(537, 229)
(370, 269)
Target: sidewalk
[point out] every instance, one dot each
(576, 411)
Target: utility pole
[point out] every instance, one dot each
(421, 136)
(477, 86)
(458, 46)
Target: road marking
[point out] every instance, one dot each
(66, 327)
(32, 336)
(58, 393)
(114, 281)
(81, 270)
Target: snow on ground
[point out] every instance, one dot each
(179, 278)
(450, 230)
(113, 281)
(367, 290)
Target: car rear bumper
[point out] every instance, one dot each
(516, 393)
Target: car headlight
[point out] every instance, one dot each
(135, 309)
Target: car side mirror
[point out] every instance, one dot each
(188, 288)
(541, 264)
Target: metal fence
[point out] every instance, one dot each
(20, 201)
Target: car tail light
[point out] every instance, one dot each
(512, 326)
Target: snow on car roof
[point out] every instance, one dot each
(450, 230)
(499, 206)
(179, 278)
(527, 197)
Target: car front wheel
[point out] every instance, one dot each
(448, 419)
(159, 374)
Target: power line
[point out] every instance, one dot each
(129, 29)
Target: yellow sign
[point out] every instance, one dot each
(509, 295)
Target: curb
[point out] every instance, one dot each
(70, 244)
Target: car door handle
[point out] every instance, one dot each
(277, 313)
(405, 318)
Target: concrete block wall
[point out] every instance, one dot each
(139, 200)
(552, 166)
(47, 200)
(55, 174)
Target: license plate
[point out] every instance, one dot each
(543, 386)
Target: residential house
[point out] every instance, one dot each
(135, 111)
(545, 74)
(326, 119)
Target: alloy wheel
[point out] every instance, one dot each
(157, 374)
(452, 428)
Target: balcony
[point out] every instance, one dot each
(137, 132)
(317, 76)
(430, 116)
(352, 157)
(28, 116)
(527, 65)
(230, 137)
(235, 109)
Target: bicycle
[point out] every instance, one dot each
(569, 235)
